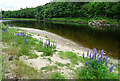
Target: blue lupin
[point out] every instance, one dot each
(88, 53)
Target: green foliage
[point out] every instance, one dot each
(68, 9)
(39, 47)
(69, 55)
(49, 68)
(18, 43)
(95, 71)
(61, 64)
(57, 76)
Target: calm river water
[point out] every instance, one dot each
(83, 35)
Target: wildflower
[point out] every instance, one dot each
(101, 59)
(93, 50)
(90, 55)
(113, 65)
(93, 57)
(106, 62)
(23, 34)
(98, 53)
(98, 60)
(83, 55)
(47, 45)
(87, 52)
(26, 36)
(106, 57)
(86, 63)
(101, 53)
(49, 42)
(111, 68)
(87, 67)
(26, 41)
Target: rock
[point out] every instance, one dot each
(107, 24)
(10, 57)
(93, 24)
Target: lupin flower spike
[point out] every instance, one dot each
(111, 68)
(90, 55)
(106, 62)
(86, 63)
(83, 55)
(87, 67)
(98, 60)
(26, 41)
(87, 52)
(101, 53)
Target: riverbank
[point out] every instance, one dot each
(19, 19)
(95, 22)
(59, 62)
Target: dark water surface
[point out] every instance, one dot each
(106, 39)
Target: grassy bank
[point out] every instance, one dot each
(20, 43)
(18, 19)
(85, 20)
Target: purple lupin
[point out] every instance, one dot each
(86, 63)
(98, 53)
(106, 57)
(83, 55)
(101, 53)
(26, 41)
(106, 62)
(98, 60)
(87, 67)
(87, 52)
(26, 36)
(49, 42)
(90, 55)
(111, 68)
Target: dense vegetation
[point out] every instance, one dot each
(68, 9)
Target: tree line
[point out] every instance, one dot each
(68, 9)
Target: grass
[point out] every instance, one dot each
(49, 68)
(18, 44)
(57, 76)
(61, 64)
(19, 19)
(109, 21)
(69, 55)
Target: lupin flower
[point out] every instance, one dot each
(93, 57)
(101, 59)
(87, 67)
(23, 34)
(101, 53)
(87, 52)
(86, 63)
(106, 57)
(20, 33)
(90, 55)
(106, 62)
(98, 60)
(26, 36)
(49, 42)
(98, 53)
(111, 68)
(26, 41)
(47, 45)
(83, 55)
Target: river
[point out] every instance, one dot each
(83, 35)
